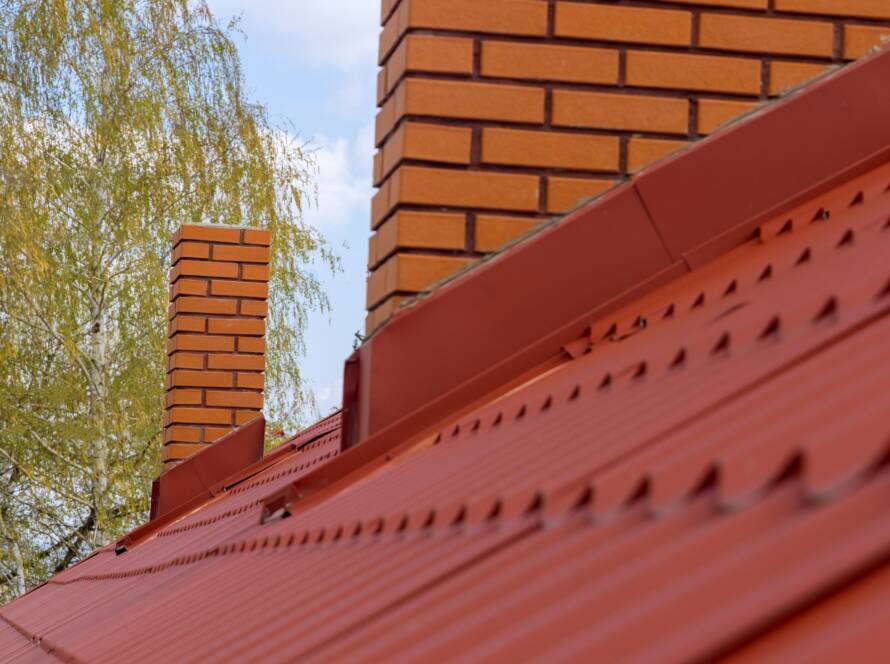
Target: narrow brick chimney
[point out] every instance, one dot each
(216, 349)
(498, 114)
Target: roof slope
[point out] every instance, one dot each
(704, 472)
(713, 462)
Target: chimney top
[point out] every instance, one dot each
(216, 347)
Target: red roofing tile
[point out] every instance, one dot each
(704, 472)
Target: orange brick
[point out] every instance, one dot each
(391, 111)
(204, 305)
(549, 149)
(473, 101)
(575, 64)
(192, 268)
(207, 233)
(714, 112)
(786, 75)
(199, 416)
(382, 90)
(563, 194)
(643, 151)
(681, 71)
(185, 361)
(494, 231)
(860, 39)
(251, 345)
(183, 398)
(429, 186)
(254, 381)
(245, 416)
(417, 272)
(428, 53)
(421, 230)
(383, 312)
(235, 399)
(191, 250)
(241, 254)
(247, 326)
(237, 362)
(456, 99)
(373, 252)
(255, 272)
(431, 229)
(386, 7)
(259, 236)
(741, 4)
(392, 31)
(429, 142)
(380, 205)
(173, 452)
(182, 434)
(188, 287)
(624, 24)
(599, 110)
(863, 8)
(212, 434)
(253, 308)
(377, 167)
(183, 378)
(239, 289)
(411, 273)
(379, 284)
(200, 342)
(511, 17)
(766, 35)
(186, 324)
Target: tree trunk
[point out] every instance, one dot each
(19, 587)
(99, 444)
(18, 582)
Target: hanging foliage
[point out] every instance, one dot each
(120, 120)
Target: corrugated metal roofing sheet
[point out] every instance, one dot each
(708, 464)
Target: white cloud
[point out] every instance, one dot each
(344, 181)
(321, 32)
(329, 398)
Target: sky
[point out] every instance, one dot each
(313, 62)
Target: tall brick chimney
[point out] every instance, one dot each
(498, 114)
(216, 350)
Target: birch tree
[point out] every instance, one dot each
(120, 120)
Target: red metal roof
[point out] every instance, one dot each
(704, 472)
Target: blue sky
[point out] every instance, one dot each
(313, 62)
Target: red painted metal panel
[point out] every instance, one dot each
(589, 258)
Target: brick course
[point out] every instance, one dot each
(218, 291)
(496, 115)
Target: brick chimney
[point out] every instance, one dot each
(218, 305)
(498, 114)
